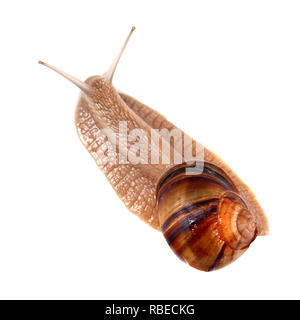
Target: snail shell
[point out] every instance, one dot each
(203, 218)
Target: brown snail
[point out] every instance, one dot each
(208, 216)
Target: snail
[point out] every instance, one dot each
(207, 214)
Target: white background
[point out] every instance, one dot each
(227, 72)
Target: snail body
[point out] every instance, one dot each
(209, 218)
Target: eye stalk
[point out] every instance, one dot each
(203, 218)
(81, 85)
(111, 71)
(107, 75)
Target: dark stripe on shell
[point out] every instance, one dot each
(205, 170)
(187, 209)
(187, 222)
(191, 179)
(218, 259)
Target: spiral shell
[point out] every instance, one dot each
(203, 218)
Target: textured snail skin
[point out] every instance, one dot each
(204, 220)
(91, 116)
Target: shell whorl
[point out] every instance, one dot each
(204, 220)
